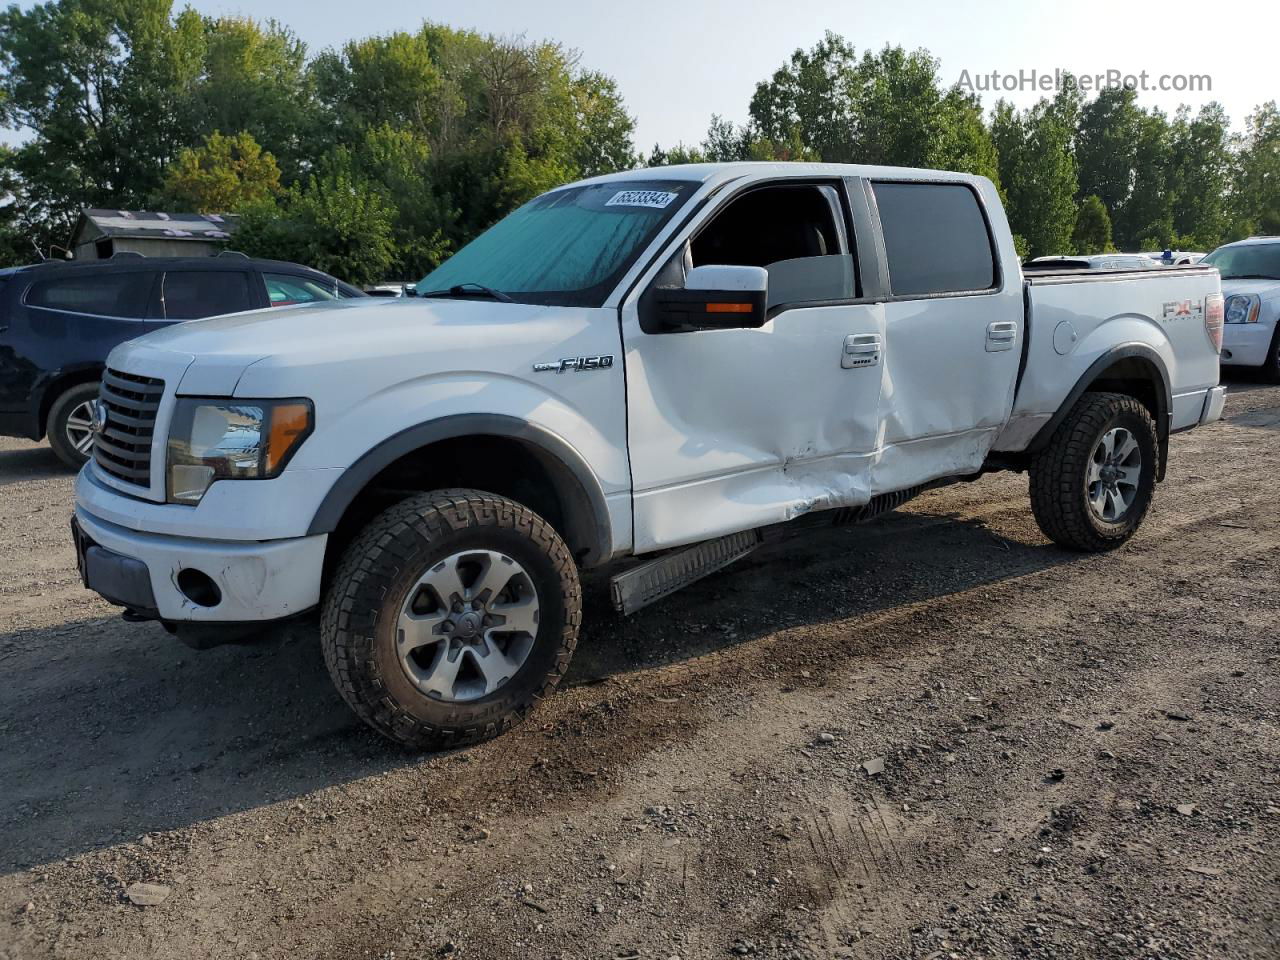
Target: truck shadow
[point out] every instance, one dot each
(805, 579)
(31, 461)
(110, 730)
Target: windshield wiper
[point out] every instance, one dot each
(1251, 276)
(469, 290)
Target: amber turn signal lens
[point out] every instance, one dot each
(728, 308)
(290, 424)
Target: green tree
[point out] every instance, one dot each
(333, 223)
(887, 107)
(255, 79)
(221, 176)
(814, 95)
(673, 156)
(1106, 146)
(1092, 231)
(725, 142)
(1256, 187)
(1038, 171)
(1200, 174)
(103, 85)
(397, 162)
(1145, 221)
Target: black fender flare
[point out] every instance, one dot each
(584, 501)
(1125, 351)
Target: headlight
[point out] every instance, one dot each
(1242, 308)
(231, 440)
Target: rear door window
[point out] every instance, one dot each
(935, 239)
(284, 290)
(99, 293)
(194, 294)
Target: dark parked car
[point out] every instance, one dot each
(59, 320)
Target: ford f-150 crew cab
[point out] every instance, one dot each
(649, 370)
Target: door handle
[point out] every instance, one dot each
(861, 350)
(1001, 335)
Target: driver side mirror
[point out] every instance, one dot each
(715, 298)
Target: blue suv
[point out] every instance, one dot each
(59, 320)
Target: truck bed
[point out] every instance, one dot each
(1074, 317)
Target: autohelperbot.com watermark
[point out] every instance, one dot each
(1051, 81)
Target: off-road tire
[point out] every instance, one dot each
(361, 607)
(1059, 485)
(57, 423)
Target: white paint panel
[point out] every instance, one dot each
(731, 429)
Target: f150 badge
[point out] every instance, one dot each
(575, 363)
(1183, 308)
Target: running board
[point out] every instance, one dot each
(643, 584)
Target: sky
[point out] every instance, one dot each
(677, 62)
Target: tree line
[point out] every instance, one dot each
(378, 159)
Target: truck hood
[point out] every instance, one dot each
(1266, 289)
(339, 325)
(219, 350)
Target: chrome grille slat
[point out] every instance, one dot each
(123, 448)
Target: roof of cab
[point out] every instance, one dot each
(717, 172)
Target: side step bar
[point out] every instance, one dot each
(643, 584)
(646, 582)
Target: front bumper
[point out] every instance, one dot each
(256, 581)
(1246, 344)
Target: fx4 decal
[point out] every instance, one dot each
(575, 363)
(1183, 308)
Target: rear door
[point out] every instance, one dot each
(730, 429)
(953, 329)
(68, 319)
(193, 294)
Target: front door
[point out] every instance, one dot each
(731, 429)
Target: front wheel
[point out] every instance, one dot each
(1092, 485)
(450, 617)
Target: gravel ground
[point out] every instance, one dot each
(932, 736)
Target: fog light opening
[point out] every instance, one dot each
(199, 588)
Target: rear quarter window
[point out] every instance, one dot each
(935, 237)
(102, 294)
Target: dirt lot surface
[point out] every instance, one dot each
(932, 736)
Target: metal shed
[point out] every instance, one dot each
(101, 233)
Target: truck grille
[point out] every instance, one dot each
(123, 448)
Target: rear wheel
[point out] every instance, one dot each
(450, 617)
(70, 426)
(1092, 485)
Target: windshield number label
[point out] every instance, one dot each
(575, 363)
(657, 199)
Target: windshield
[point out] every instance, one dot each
(1252, 260)
(568, 247)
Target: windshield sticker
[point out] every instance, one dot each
(657, 199)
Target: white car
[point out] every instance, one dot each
(648, 372)
(1095, 261)
(1175, 258)
(1251, 285)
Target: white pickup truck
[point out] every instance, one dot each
(648, 370)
